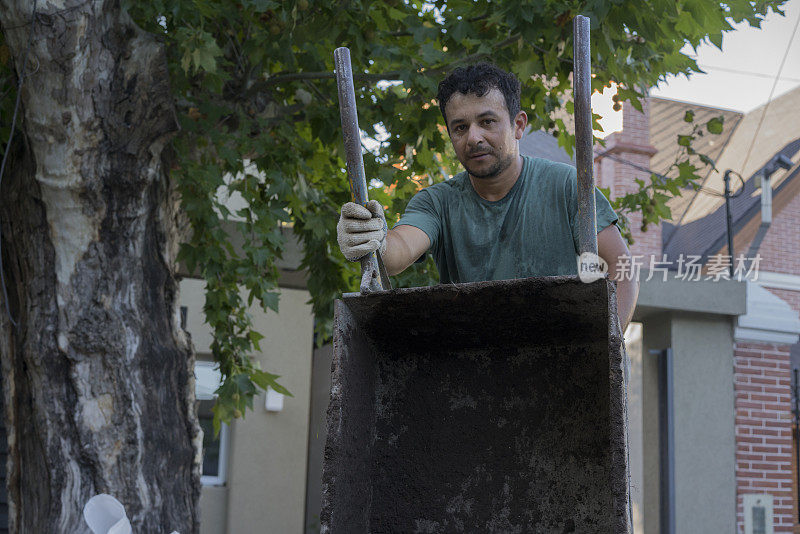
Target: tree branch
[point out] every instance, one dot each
(479, 55)
(295, 76)
(368, 77)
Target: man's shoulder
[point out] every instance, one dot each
(550, 169)
(452, 186)
(551, 174)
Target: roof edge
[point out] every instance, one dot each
(677, 101)
(748, 215)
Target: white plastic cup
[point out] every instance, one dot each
(105, 515)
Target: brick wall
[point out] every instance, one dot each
(764, 428)
(632, 144)
(789, 296)
(780, 250)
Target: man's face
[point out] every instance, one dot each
(483, 136)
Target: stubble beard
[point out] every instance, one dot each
(499, 166)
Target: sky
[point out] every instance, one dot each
(738, 77)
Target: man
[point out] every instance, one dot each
(506, 216)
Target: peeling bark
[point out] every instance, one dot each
(97, 378)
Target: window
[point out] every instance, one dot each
(215, 450)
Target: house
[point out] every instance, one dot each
(712, 442)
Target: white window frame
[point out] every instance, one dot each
(207, 380)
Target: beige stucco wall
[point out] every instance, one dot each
(320, 395)
(266, 483)
(213, 509)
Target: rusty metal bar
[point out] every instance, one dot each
(582, 87)
(371, 273)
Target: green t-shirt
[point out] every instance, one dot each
(532, 231)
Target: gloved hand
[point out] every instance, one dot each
(361, 230)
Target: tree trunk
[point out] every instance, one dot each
(97, 377)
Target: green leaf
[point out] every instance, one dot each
(223, 412)
(395, 14)
(687, 171)
(688, 116)
(270, 301)
(244, 384)
(672, 187)
(529, 68)
(662, 210)
(716, 39)
(186, 63)
(268, 380)
(255, 337)
(715, 125)
(460, 30)
(200, 51)
(632, 96)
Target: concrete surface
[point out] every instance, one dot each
(704, 455)
(722, 297)
(705, 475)
(633, 347)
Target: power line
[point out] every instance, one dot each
(701, 189)
(747, 73)
(8, 149)
(771, 92)
(630, 164)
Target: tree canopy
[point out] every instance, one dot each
(257, 104)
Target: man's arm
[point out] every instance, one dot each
(404, 245)
(363, 229)
(611, 247)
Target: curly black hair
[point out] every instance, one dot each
(479, 79)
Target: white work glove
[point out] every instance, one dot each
(361, 230)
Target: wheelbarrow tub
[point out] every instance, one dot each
(482, 407)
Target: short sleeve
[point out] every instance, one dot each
(605, 215)
(421, 213)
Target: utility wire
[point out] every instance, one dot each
(771, 92)
(664, 177)
(747, 73)
(630, 164)
(8, 149)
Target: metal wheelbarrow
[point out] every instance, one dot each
(503, 410)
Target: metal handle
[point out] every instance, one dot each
(371, 273)
(582, 93)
